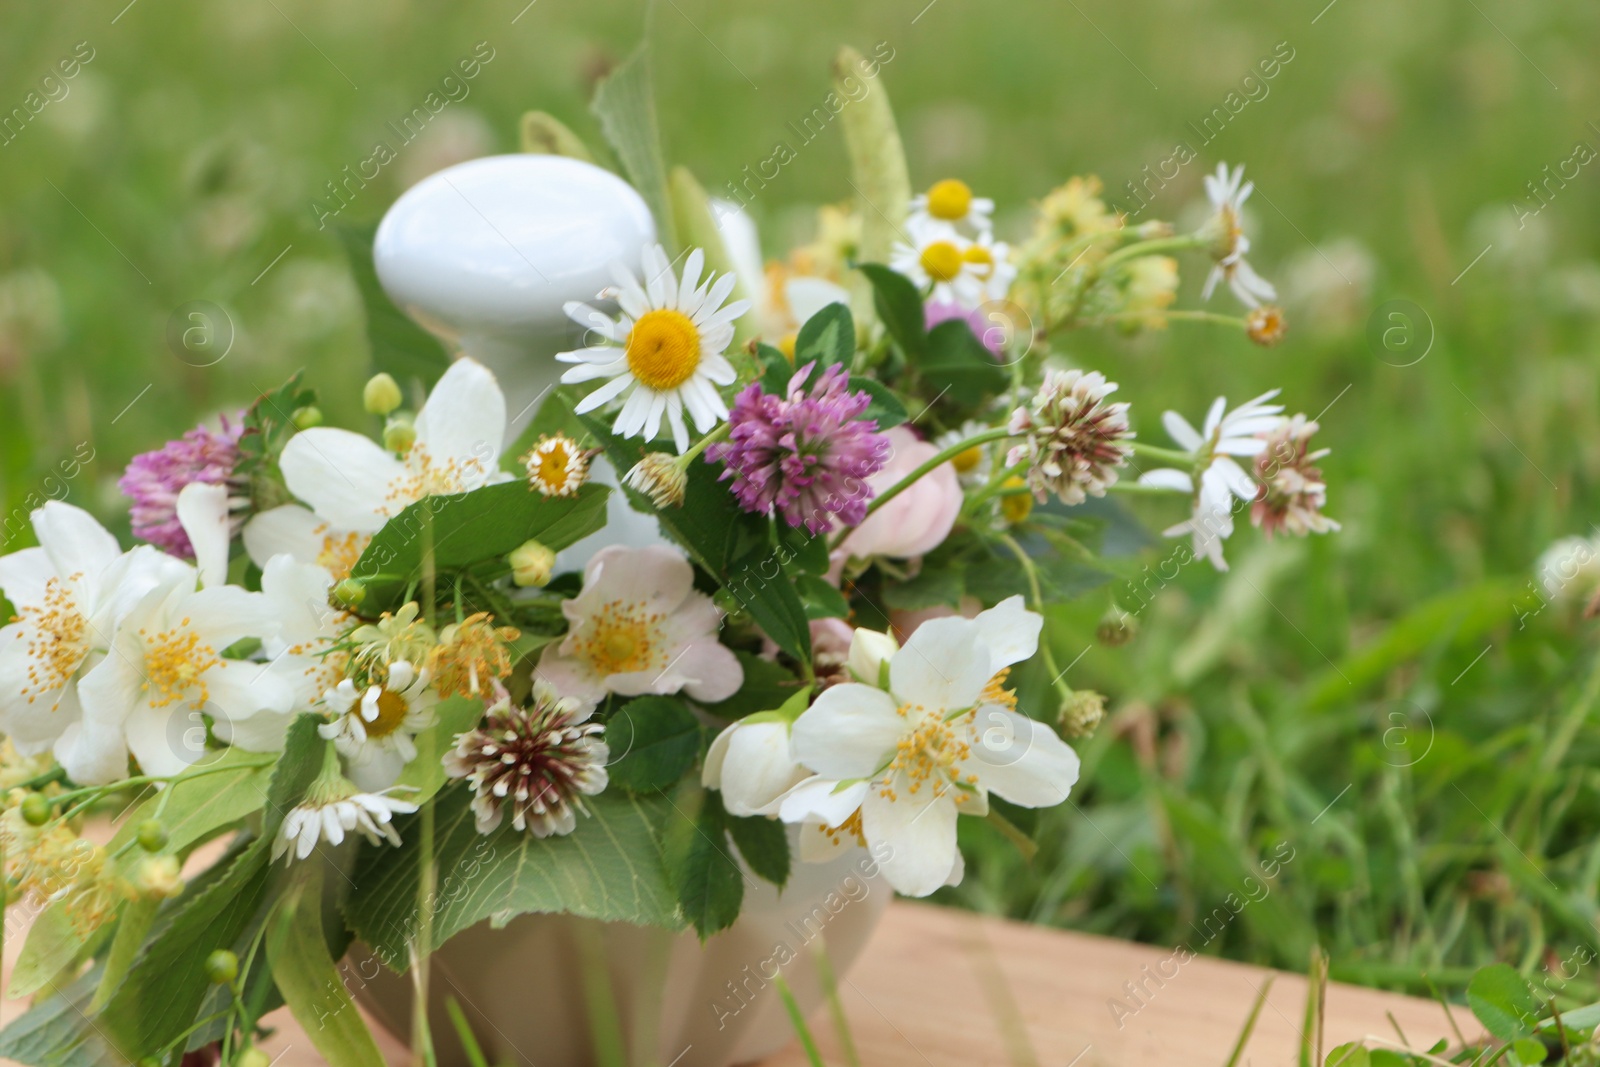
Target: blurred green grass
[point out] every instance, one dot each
(188, 153)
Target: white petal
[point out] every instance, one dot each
(344, 476)
(1179, 430)
(289, 529)
(942, 667)
(1167, 478)
(225, 614)
(849, 732)
(202, 510)
(604, 394)
(821, 799)
(1021, 760)
(464, 419)
(24, 575)
(920, 830)
(75, 542)
(238, 690)
(1010, 631)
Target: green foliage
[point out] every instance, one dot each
(958, 367)
(625, 104)
(610, 868)
(268, 425)
(826, 338)
(764, 844)
(654, 741)
(899, 307)
(709, 883)
(452, 717)
(1503, 1002)
(466, 529)
(397, 345)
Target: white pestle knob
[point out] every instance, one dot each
(484, 254)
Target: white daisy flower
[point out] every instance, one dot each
(664, 352)
(990, 261)
(951, 203)
(976, 464)
(1224, 434)
(933, 745)
(1227, 191)
(68, 595)
(369, 814)
(375, 728)
(936, 261)
(354, 484)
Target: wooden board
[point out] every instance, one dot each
(923, 996)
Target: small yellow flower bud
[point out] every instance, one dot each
(36, 809)
(1082, 712)
(307, 417)
(1266, 325)
(158, 877)
(350, 593)
(252, 1057)
(399, 434)
(222, 966)
(152, 836)
(1016, 507)
(531, 564)
(381, 396)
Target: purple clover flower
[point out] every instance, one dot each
(154, 479)
(807, 454)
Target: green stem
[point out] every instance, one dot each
(830, 989)
(1137, 488)
(719, 434)
(798, 1019)
(1158, 246)
(996, 486)
(1181, 315)
(942, 458)
(1185, 460)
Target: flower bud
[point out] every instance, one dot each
(399, 434)
(349, 593)
(158, 878)
(222, 966)
(1117, 627)
(307, 417)
(152, 836)
(659, 477)
(1082, 712)
(870, 652)
(381, 395)
(1266, 325)
(531, 564)
(252, 1057)
(37, 809)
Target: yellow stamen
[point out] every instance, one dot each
(621, 639)
(663, 349)
(57, 640)
(176, 662)
(931, 753)
(392, 712)
(950, 200)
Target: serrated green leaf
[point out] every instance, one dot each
(625, 104)
(55, 1032)
(398, 346)
(959, 366)
(609, 868)
(1503, 1001)
(545, 135)
(886, 409)
(297, 953)
(826, 338)
(764, 844)
(709, 883)
(468, 528)
(821, 598)
(899, 306)
(653, 741)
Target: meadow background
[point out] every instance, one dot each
(1393, 708)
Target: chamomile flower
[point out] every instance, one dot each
(936, 261)
(976, 464)
(1227, 190)
(951, 203)
(990, 262)
(556, 466)
(331, 818)
(664, 352)
(375, 728)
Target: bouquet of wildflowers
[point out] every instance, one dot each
(391, 684)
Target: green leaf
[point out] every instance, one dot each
(803, 550)
(653, 740)
(822, 599)
(764, 844)
(940, 583)
(1503, 1001)
(297, 952)
(1528, 1051)
(767, 685)
(452, 718)
(545, 135)
(468, 528)
(776, 370)
(625, 104)
(878, 169)
(56, 1031)
(735, 547)
(709, 882)
(899, 305)
(610, 868)
(826, 338)
(399, 346)
(959, 366)
(54, 942)
(886, 408)
(1353, 1054)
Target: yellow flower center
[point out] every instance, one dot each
(997, 693)
(981, 259)
(950, 200)
(850, 828)
(621, 639)
(556, 466)
(425, 477)
(176, 662)
(1016, 507)
(392, 712)
(931, 753)
(967, 462)
(942, 260)
(57, 640)
(663, 349)
(339, 552)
